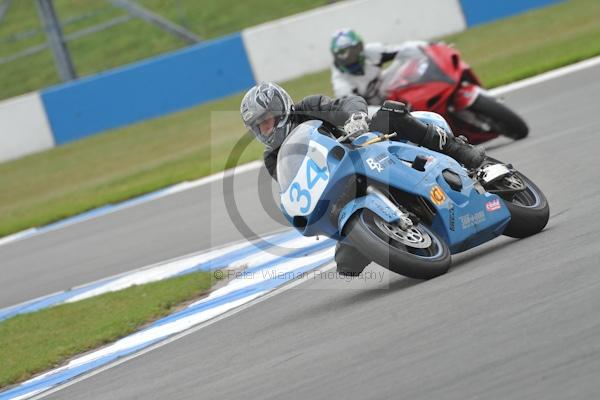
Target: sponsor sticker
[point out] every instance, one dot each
(374, 165)
(387, 211)
(380, 162)
(452, 218)
(493, 205)
(437, 195)
(471, 220)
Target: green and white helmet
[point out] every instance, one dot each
(347, 49)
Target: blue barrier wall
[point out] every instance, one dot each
(481, 11)
(185, 78)
(147, 89)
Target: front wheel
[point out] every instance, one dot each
(417, 252)
(499, 118)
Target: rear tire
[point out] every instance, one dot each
(529, 209)
(501, 119)
(371, 236)
(527, 220)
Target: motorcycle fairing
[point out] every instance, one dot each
(463, 218)
(465, 96)
(372, 201)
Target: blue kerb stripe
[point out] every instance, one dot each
(243, 292)
(217, 263)
(65, 375)
(45, 302)
(96, 212)
(263, 286)
(57, 379)
(314, 248)
(101, 211)
(227, 259)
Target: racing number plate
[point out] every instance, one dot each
(304, 192)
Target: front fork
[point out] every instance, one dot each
(377, 202)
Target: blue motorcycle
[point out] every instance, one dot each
(405, 207)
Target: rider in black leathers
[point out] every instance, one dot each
(268, 111)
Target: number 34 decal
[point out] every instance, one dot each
(301, 195)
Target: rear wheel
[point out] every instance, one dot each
(527, 204)
(417, 252)
(498, 118)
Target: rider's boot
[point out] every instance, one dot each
(350, 262)
(456, 147)
(395, 117)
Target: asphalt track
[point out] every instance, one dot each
(513, 319)
(152, 232)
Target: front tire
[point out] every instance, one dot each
(500, 118)
(417, 252)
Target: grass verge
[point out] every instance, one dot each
(137, 159)
(123, 43)
(32, 343)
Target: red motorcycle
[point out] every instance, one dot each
(433, 77)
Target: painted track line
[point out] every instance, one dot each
(256, 297)
(262, 279)
(112, 208)
(546, 76)
(229, 256)
(286, 287)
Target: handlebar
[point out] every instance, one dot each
(378, 139)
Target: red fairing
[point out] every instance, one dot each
(449, 86)
(465, 96)
(432, 96)
(447, 59)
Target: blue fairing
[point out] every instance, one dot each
(372, 202)
(464, 218)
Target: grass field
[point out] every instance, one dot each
(123, 43)
(127, 162)
(32, 343)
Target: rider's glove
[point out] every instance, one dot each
(463, 139)
(357, 124)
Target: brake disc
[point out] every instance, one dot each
(412, 237)
(513, 182)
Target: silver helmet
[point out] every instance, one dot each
(265, 110)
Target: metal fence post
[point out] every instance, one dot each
(3, 8)
(65, 67)
(138, 11)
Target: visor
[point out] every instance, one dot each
(255, 125)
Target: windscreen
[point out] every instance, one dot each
(292, 153)
(411, 65)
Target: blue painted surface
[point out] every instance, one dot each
(49, 301)
(148, 89)
(481, 11)
(222, 261)
(30, 387)
(94, 213)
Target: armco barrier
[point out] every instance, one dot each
(148, 89)
(23, 127)
(481, 11)
(297, 45)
